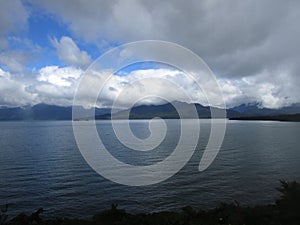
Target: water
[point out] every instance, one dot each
(41, 166)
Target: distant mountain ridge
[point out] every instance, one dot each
(166, 111)
(42, 112)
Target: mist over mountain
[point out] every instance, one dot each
(255, 109)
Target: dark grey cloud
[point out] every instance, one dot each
(236, 38)
(13, 18)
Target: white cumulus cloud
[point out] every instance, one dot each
(69, 53)
(13, 91)
(57, 76)
(57, 85)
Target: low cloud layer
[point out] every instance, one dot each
(55, 85)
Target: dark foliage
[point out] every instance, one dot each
(289, 203)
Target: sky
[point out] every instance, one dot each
(252, 46)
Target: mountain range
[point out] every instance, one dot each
(42, 112)
(166, 111)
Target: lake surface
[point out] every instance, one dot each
(41, 166)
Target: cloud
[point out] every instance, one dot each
(146, 86)
(13, 91)
(175, 85)
(252, 46)
(69, 53)
(13, 18)
(150, 86)
(260, 88)
(15, 60)
(117, 20)
(57, 85)
(62, 77)
(237, 39)
(51, 85)
(211, 28)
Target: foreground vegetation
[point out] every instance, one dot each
(285, 211)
